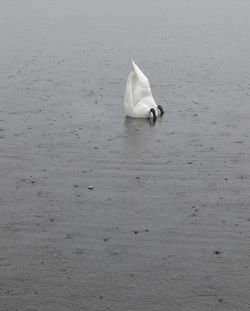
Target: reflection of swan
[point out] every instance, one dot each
(139, 101)
(137, 124)
(140, 135)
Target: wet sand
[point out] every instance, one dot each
(99, 212)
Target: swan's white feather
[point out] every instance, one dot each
(138, 96)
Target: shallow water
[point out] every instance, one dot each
(166, 224)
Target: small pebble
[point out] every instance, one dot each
(90, 187)
(106, 238)
(135, 232)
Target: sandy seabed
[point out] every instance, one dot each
(99, 212)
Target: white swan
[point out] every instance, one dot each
(139, 101)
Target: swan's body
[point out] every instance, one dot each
(139, 101)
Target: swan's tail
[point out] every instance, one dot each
(138, 73)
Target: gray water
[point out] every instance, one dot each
(166, 225)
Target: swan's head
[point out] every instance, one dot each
(152, 111)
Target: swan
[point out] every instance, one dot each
(139, 101)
